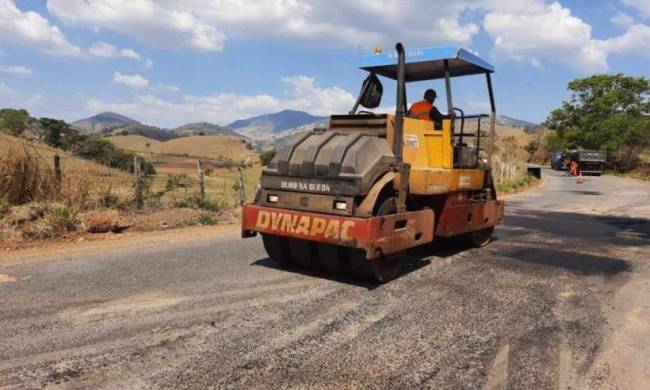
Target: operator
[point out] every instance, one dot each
(425, 109)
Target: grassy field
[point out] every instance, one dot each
(93, 198)
(206, 147)
(97, 176)
(177, 157)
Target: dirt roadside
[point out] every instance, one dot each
(97, 243)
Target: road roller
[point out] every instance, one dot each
(351, 198)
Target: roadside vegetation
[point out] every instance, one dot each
(517, 185)
(605, 112)
(94, 189)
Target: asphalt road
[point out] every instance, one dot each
(557, 300)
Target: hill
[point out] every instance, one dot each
(209, 147)
(134, 143)
(203, 128)
(110, 123)
(506, 121)
(264, 126)
(212, 147)
(102, 121)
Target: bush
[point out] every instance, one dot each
(104, 152)
(177, 181)
(266, 156)
(196, 202)
(207, 219)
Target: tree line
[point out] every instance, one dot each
(604, 112)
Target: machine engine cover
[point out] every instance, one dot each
(331, 162)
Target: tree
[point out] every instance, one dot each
(266, 156)
(53, 130)
(607, 112)
(13, 121)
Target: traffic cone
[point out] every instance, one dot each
(579, 179)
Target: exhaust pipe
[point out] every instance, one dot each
(400, 110)
(402, 179)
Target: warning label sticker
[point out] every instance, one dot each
(411, 141)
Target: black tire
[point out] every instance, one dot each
(382, 269)
(278, 249)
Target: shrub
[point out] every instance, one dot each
(207, 219)
(266, 156)
(177, 181)
(196, 202)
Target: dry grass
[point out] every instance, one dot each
(208, 147)
(135, 143)
(25, 177)
(104, 221)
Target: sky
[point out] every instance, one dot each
(170, 62)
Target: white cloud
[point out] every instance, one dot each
(106, 50)
(32, 30)
(103, 49)
(206, 24)
(16, 70)
(544, 31)
(304, 94)
(130, 53)
(148, 63)
(134, 80)
(641, 6)
(636, 40)
(162, 24)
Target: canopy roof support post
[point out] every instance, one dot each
(450, 105)
(493, 117)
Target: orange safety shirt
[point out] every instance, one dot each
(421, 110)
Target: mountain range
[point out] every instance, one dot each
(265, 130)
(106, 123)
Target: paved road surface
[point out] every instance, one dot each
(558, 300)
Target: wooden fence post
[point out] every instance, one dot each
(57, 167)
(137, 184)
(199, 168)
(242, 190)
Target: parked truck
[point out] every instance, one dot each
(590, 162)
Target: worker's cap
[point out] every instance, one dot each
(430, 93)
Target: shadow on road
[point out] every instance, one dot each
(576, 231)
(586, 192)
(411, 264)
(595, 229)
(578, 263)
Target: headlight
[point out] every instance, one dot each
(340, 205)
(272, 198)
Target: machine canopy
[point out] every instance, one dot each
(427, 63)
